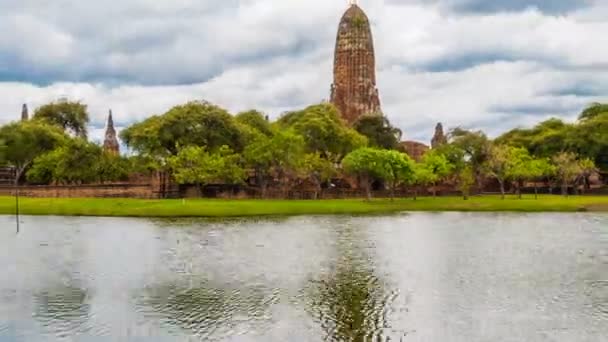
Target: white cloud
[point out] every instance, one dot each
(482, 69)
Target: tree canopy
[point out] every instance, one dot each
(73, 117)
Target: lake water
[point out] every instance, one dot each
(408, 277)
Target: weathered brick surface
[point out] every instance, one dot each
(354, 90)
(83, 191)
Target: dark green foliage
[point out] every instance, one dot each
(324, 131)
(72, 117)
(379, 131)
(78, 162)
(256, 120)
(193, 124)
(25, 141)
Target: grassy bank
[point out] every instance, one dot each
(233, 208)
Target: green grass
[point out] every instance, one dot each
(236, 208)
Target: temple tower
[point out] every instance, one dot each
(110, 143)
(354, 90)
(439, 138)
(24, 113)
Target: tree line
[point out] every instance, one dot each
(199, 143)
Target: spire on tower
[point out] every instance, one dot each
(24, 113)
(110, 144)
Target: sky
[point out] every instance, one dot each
(479, 64)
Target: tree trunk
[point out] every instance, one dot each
(519, 189)
(565, 189)
(415, 194)
(535, 190)
(502, 189)
(393, 191)
(434, 190)
(368, 189)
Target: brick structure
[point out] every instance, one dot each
(24, 113)
(110, 143)
(439, 138)
(413, 149)
(354, 90)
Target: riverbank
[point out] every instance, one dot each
(234, 208)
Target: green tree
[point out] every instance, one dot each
(567, 169)
(324, 131)
(593, 110)
(438, 166)
(193, 124)
(422, 177)
(475, 146)
(587, 168)
(276, 157)
(318, 170)
(466, 179)
(256, 120)
(497, 165)
(196, 165)
(540, 168)
(25, 141)
(365, 164)
(396, 168)
(519, 167)
(78, 162)
(379, 131)
(72, 117)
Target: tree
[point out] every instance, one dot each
(193, 124)
(72, 117)
(567, 169)
(25, 141)
(593, 110)
(519, 166)
(587, 168)
(378, 130)
(422, 177)
(438, 167)
(324, 131)
(396, 168)
(540, 168)
(278, 156)
(466, 179)
(364, 163)
(196, 165)
(256, 120)
(475, 146)
(78, 162)
(497, 165)
(318, 170)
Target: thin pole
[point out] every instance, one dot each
(17, 201)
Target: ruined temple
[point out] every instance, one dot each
(439, 138)
(110, 143)
(24, 113)
(354, 90)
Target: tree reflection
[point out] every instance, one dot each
(63, 309)
(210, 311)
(351, 302)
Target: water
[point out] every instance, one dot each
(409, 277)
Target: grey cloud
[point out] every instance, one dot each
(493, 6)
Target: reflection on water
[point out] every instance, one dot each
(63, 309)
(351, 302)
(418, 277)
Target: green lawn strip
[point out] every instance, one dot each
(240, 208)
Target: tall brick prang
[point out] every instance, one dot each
(354, 90)
(110, 143)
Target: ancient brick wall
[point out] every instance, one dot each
(83, 191)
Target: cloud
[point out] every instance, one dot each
(490, 65)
